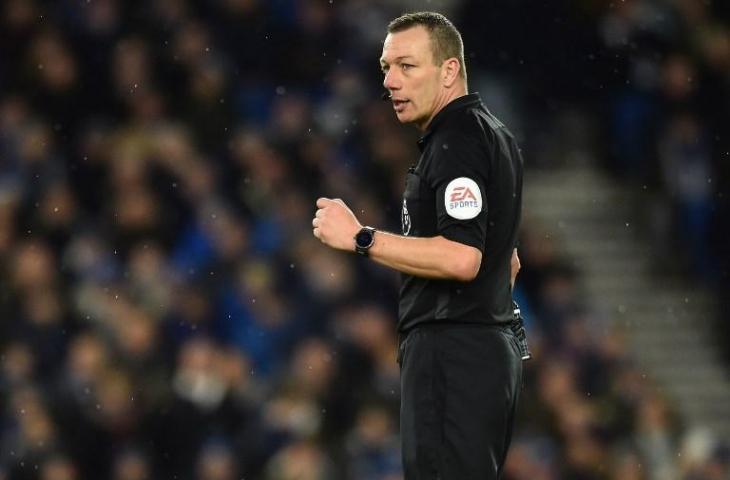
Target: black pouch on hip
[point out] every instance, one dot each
(517, 325)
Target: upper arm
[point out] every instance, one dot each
(459, 178)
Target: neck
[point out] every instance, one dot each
(447, 96)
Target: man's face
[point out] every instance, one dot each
(411, 76)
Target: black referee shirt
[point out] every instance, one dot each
(467, 187)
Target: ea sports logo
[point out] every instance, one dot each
(461, 194)
(463, 199)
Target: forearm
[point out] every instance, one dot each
(433, 257)
(335, 225)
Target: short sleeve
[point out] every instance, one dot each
(459, 172)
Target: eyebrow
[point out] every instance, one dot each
(383, 62)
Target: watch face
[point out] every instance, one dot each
(364, 238)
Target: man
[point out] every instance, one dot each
(460, 362)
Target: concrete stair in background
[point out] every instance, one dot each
(667, 316)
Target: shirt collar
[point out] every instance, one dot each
(460, 103)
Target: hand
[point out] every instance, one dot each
(335, 225)
(514, 268)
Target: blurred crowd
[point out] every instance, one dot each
(165, 312)
(668, 123)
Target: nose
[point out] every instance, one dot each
(390, 82)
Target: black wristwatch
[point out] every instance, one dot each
(364, 239)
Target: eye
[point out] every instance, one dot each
(405, 66)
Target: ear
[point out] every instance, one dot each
(450, 71)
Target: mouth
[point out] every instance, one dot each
(399, 104)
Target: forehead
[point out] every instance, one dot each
(414, 42)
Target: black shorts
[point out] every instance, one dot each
(459, 389)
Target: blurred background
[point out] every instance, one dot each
(165, 312)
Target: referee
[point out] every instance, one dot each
(460, 360)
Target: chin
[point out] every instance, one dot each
(405, 118)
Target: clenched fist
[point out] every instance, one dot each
(335, 225)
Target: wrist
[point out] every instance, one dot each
(364, 239)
